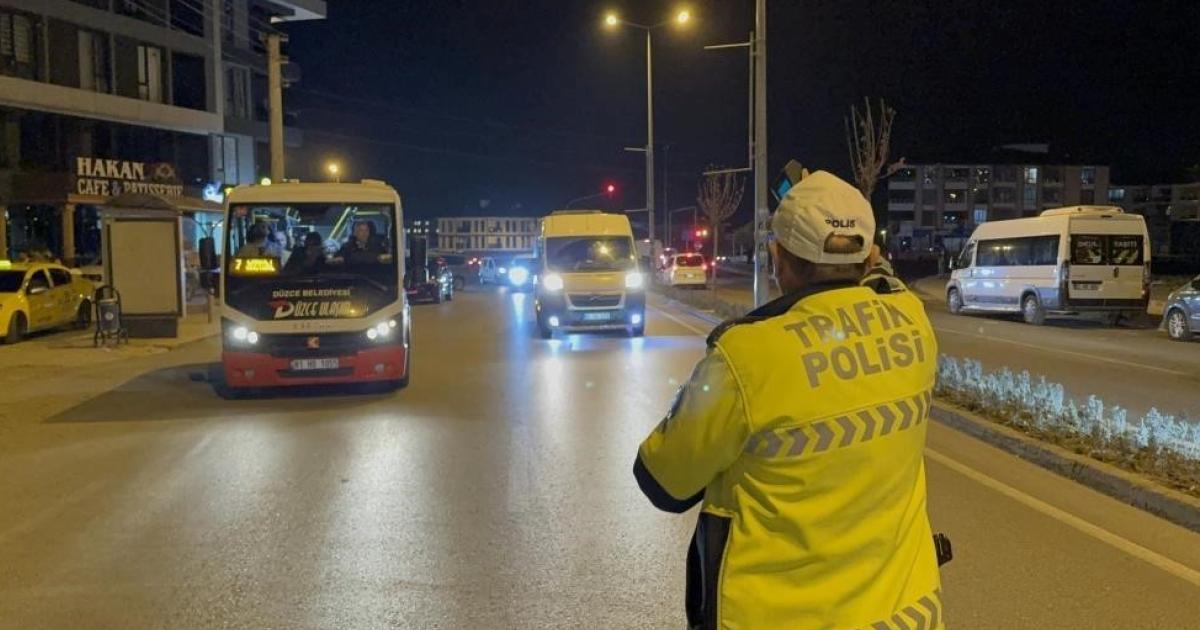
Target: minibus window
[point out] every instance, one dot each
(1087, 249)
(1125, 249)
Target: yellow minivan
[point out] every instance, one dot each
(590, 278)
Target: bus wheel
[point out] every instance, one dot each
(1032, 311)
(954, 301)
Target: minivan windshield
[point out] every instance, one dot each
(589, 253)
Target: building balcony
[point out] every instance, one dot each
(34, 95)
(898, 206)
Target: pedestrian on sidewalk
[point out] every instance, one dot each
(801, 435)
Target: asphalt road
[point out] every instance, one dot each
(495, 492)
(1134, 365)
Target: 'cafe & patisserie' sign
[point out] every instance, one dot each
(109, 178)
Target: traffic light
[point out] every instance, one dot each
(610, 189)
(702, 233)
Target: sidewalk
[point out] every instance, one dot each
(73, 348)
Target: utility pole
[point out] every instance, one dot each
(666, 189)
(762, 283)
(275, 88)
(649, 141)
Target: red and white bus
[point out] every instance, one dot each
(312, 286)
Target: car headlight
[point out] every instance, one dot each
(518, 275)
(552, 282)
(634, 280)
(382, 331)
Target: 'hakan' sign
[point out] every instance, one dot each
(109, 178)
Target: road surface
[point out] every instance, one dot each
(495, 492)
(1134, 365)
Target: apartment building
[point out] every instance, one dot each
(927, 203)
(487, 234)
(103, 96)
(1167, 208)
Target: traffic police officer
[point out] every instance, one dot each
(801, 433)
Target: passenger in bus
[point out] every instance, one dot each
(308, 259)
(256, 242)
(364, 247)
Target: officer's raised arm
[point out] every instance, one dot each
(701, 436)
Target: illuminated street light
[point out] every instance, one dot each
(335, 171)
(611, 20)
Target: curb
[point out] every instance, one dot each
(692, 311)
(1127, 487)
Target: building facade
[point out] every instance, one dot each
(1166, 208)
(928, 203)
(487, 234)
(100, 97)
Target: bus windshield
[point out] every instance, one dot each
(589, 253)
(341, 257)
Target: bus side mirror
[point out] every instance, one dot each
(208, 253)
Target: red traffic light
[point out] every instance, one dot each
(610, 188)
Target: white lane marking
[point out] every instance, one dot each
(671, 317)
(1093, 357)
(1103, 535)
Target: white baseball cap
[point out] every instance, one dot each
(820, 206)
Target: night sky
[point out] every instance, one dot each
(526, 104)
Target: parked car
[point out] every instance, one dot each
(1181, 315)
(41, 296)
(685, 270)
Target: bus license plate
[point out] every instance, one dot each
(597, 317)
(314, 364)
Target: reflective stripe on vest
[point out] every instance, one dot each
(841, 431)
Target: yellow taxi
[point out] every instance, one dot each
(40, 296)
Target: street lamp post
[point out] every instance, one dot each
(612, 20)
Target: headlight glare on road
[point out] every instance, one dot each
(552, 282)
(634, 280)
(518, 276)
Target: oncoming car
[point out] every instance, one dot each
(1181, 315)
(523, 273)
(41, 296)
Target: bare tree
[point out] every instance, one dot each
(868, 138)
(719, 196)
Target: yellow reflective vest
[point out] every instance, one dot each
(802, 432)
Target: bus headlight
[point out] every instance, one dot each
(552, 282)
(243, 336)
(382, 331)
(634, 280)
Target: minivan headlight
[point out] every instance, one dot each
(634, 280)
(552, 282)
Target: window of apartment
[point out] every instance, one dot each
(906, 215)
(227, 22)
(1188, 194)
(931, 175)
(1006, 174)
(901, 196)
(952, 219)
(1087, 196)
(983, 175)
(954, 196)
(1116, 194)
(189, 87)
(1003, 195)
(1087, 176)
(979, 196)
(95, 61)
(1029, 199)
(1052, 175)
(152, 11)
(188, 16)
(1051, 195)
(928, 218)
(905, 175)
(1031, 175)
(956, 174)
(1141, 195)
(979, 215)
(95, 4)
(150, 73)
(19, 46)
(237, 92)
(225, 159)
